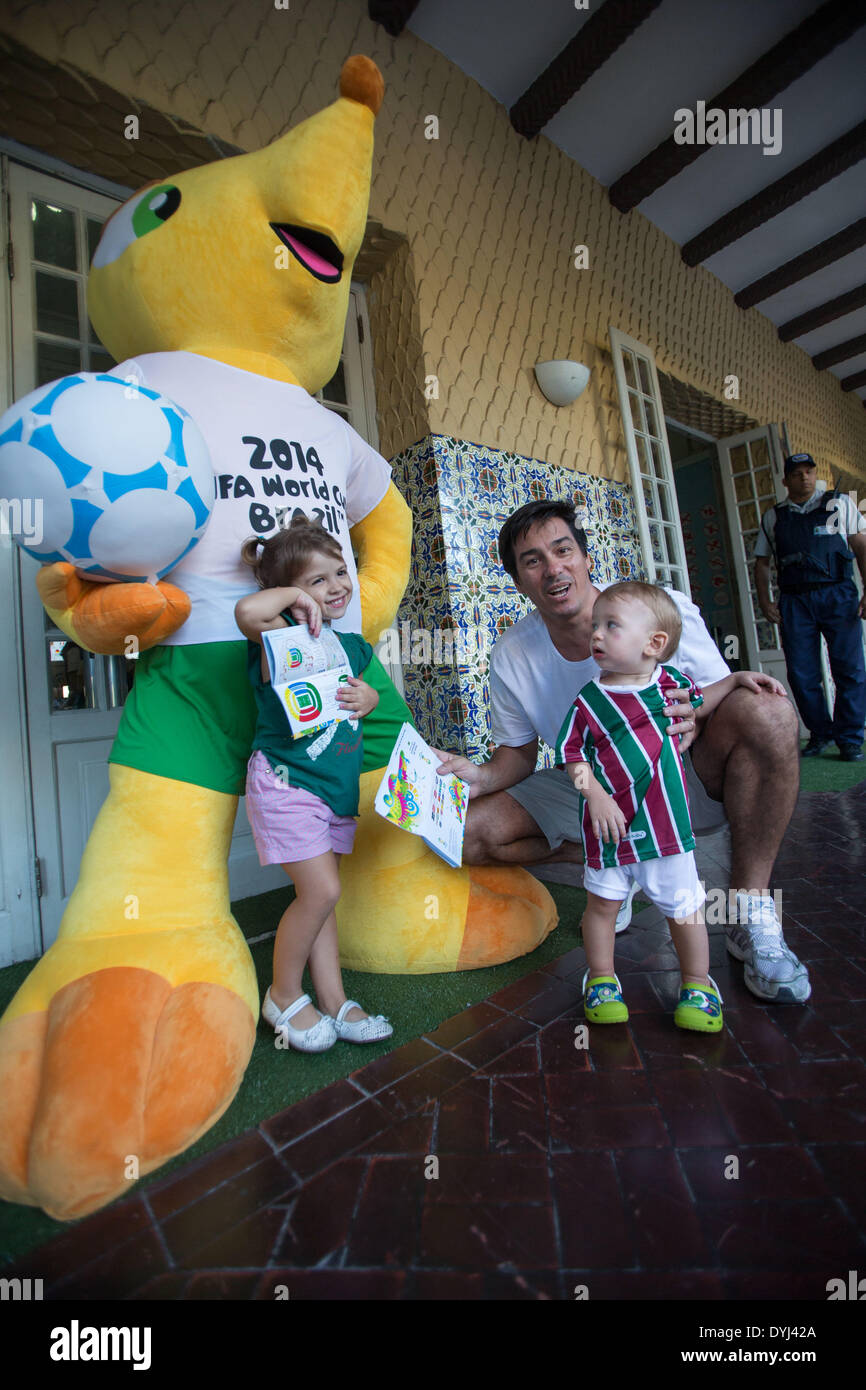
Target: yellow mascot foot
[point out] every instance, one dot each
(404, 911)
(129, 1038)
(509, 913)
(121, 1073)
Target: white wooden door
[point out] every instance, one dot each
(751, 468)
(652, 477)
(350, 393)
(74, 699)
(20, 930)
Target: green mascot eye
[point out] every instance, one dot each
(142, 214)
(155, 208)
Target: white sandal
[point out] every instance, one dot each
(364, 1030)
(319, 1038)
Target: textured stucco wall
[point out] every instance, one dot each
(486, 285)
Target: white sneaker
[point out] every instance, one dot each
(319, 1038)
(772, 971)
(623, 917)
(371, 1029)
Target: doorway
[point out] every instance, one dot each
(698, 484)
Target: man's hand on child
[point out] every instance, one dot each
(683, 721)
(758, 680)
(608, 821)
(357, 696)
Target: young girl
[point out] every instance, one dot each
(302, 794)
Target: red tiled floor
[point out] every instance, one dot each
(594, 1223)
(753, 1117)
(222, 1209)
(464, 1118)
(664, 1221)
(514, 1153)
(642, 1285)
(518, 1114)
(759, 1174)
(485, 1235)
(774, 1235)
(521, 1060)
(445, 1284)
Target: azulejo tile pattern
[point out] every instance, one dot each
(461, 494)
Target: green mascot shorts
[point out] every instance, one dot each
(191, 716)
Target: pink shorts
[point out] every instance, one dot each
(288, 823)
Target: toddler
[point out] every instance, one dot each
(635, 822)
(302, 794)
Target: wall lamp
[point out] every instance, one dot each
(562, 381)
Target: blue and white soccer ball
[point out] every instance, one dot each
(106, 474)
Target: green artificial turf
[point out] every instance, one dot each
(827, 773)
(275, 1079)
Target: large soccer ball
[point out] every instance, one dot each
(104, 473)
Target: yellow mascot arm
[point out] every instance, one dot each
(383, 543)
(103, 617)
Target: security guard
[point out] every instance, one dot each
(809, 536)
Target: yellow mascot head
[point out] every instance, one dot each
(247, 260)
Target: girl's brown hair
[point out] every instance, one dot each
(276, 561)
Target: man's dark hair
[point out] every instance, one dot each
(517, 526)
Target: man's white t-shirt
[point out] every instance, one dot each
(274, 449)
(532, 686)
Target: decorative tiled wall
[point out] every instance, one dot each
(460, 495)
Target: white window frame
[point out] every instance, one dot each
(20, 931)
(357, 359)
(676, 574)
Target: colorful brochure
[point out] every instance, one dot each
(414, 797)
(306, 673)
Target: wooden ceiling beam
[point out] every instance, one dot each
(770, 74)
(850, 383)
(393, 15)
(608, 26)
(823, 314)
(851, 238)
(783, 193)
(840, 353)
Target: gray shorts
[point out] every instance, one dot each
(551, 799)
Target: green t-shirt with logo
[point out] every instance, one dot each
(327, 763)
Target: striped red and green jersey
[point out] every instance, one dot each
(620, 732)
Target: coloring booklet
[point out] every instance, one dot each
(414, 797)
(306, 673)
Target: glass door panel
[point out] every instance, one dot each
(652, 478)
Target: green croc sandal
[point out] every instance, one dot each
(700, 1008)
(602, 999)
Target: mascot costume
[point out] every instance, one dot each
(131, 1037)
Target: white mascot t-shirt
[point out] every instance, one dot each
(275, 450)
